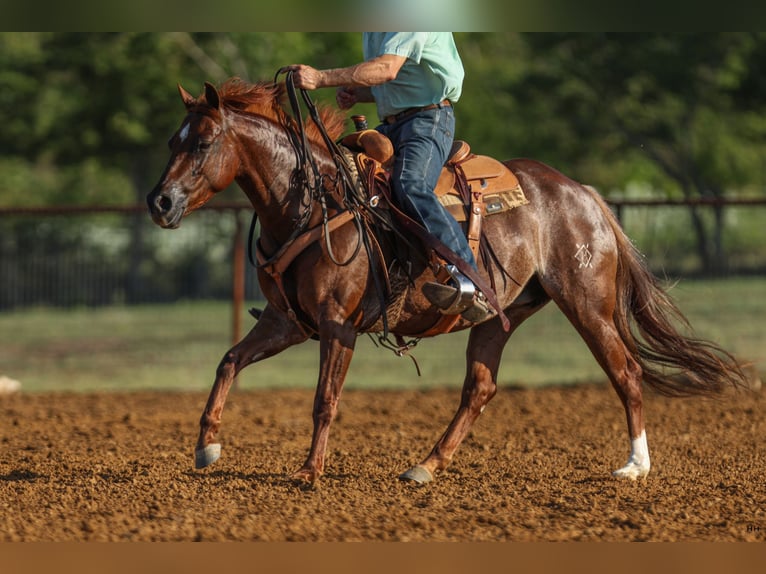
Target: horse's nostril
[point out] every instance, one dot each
(164, 203)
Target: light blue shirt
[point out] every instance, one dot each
(433, 70)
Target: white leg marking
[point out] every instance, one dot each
(638, 464)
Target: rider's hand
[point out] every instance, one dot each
(306, 77)
(346, 97)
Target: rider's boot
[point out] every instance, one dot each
(458, 297)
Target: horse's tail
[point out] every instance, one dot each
(698, 367)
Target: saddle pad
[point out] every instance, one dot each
(493, 203)
(498, 185)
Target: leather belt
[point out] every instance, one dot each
(392, 119)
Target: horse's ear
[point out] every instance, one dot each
(188, 99)
(211, 96)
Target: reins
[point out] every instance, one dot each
(310, 179)
(353, 204)
(307, 177)
(343, 178)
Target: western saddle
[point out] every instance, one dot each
(471, 187)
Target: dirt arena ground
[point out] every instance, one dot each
(118, 467)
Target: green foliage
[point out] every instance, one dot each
(668, 109)
(605, 107)
(79, 108)
(86, 116)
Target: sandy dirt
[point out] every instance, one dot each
(537, 467)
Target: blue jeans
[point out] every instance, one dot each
(422, 143)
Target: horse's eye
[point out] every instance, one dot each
(203, 146)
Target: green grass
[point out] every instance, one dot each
(178, 346)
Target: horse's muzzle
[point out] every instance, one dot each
(166, 208)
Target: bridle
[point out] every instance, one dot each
(308, 178)
(316, 186)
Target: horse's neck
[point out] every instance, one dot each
(267, 176)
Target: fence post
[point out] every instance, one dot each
(237, 280)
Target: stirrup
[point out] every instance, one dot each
(453, 298)
(460, 297)
(466, 292)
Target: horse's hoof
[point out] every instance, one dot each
(417, 473)
(631, 471)
(305, 477)
(206, 456)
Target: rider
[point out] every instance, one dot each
(414, 78)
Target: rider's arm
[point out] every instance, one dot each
(365, 74)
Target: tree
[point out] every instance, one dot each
(681, 110)
(86, 116)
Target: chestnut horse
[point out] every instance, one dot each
(564, 245)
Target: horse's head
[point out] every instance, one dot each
(203, 160)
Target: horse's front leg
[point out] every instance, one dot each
(485, 347)
(336, 347)
(273, 333)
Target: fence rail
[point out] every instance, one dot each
(619, 205)
(100, 255)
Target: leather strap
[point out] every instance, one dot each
(282, 259)
(277, 264)
(474, 224)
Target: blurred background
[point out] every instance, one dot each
(670, 128)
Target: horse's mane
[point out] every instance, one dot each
(264, 98)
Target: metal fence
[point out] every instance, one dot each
(101, 256)
(672, 235)
(89, 256)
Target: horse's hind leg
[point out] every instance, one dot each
(272, 334)
(591, 312)
(485, 348)
(625, 375)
